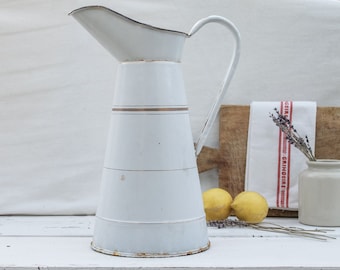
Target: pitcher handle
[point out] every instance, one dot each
(231, 70)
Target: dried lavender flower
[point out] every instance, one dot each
(292, 135)
(226, 223)
(319, 234)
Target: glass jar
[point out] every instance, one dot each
(319, 193)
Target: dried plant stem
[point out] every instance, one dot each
(316, 233)
(292, 135)
(272, 227)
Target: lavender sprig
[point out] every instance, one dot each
(292, 135)
(319, 234)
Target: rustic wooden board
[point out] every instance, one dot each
(230, 158)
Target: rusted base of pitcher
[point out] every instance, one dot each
(150, 239)
(149, 255)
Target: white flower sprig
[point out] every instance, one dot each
(292, 135)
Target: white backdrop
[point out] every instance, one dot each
(56, 83)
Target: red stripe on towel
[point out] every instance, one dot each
(283, 174)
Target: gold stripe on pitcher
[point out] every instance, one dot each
(161, 109)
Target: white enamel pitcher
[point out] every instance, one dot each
(150, 203)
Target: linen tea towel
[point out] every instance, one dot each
(273, 164)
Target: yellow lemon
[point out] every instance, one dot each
(217, 204)
(250, 206)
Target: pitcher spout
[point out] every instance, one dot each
(127, 39)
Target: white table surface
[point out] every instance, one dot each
(63, 242)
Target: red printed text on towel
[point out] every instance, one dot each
(283, 174)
